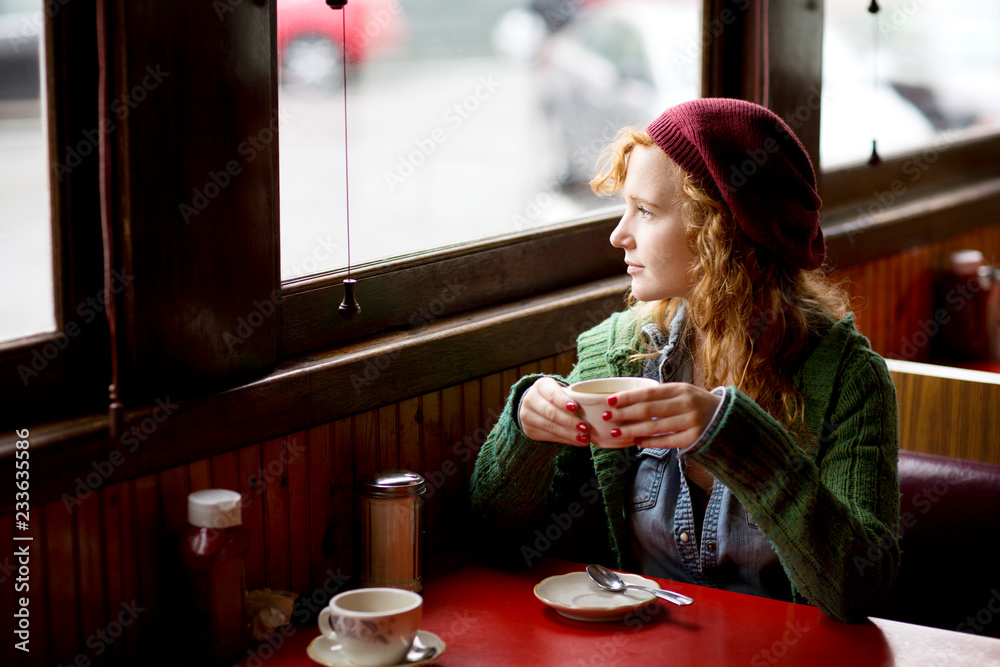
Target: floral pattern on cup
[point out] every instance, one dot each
(363, 630)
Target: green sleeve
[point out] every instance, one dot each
(516, 478)
(831, 515)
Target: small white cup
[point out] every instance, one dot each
(591, 397)
(375, 626)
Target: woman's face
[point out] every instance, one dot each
(652, 232)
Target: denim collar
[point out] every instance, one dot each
(672, 364)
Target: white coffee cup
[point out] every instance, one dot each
(591, 398)
(375, 626)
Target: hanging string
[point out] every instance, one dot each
(115, 407)
(349, 308)
(873, 9)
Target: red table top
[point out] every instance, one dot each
(491, 617)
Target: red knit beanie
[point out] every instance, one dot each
(748, 159)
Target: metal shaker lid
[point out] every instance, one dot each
(392, 484)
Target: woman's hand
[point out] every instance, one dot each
(546, 415)
(682, 412)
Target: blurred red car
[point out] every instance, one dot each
(310, 39)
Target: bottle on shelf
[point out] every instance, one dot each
(213, 552)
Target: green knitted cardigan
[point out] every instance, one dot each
(828, 503)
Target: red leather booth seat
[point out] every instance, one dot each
(949, 575)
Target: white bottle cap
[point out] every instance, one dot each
(966, 262)
(215, 508)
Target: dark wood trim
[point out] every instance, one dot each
(794, 66)
(64, 373)
(410, 293)
(950, 161)
(770, 53)
(194, 216)
(313, 390)
(859, 236)
(727, 46)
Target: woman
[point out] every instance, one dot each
(771, 466)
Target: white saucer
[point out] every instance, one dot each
(575, 595)
(330, 653)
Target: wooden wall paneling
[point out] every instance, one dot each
(366, 442)
(95, 604)
(200, 474)
(431, 439)
(409, 435)
(870, 321)
(175, 486)
(9, 655)
(451, 433)
(253, 514)
(472, 434)
(150, 547)
(115, 551)
(226, 471)
(529, 368)
(131, 586)
(276, 520)
(907, 305)
(231, 62)
(565, 362)
(60, 572)
(343, 511)
(873, 318)
(320, 499)
(493, 400)
(43, 624)
(992, 244)
(299, 512)
(507, 380)
(929, 263)
(388, 437)
(885, 300)
(894, 299)
(928, 267)
(949, 417)
(900, 302)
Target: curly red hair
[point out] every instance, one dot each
(751, 314)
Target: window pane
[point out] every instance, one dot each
(25, 227)
(466, 120)
(938, 65)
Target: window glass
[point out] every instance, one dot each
(937, 67)
(466, 120)
(25, 219)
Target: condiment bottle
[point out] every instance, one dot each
(391, 533)
(213, 551)
(966, 309)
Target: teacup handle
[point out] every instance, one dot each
(324, 625)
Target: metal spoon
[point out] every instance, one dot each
(609, 580)
(419, 651)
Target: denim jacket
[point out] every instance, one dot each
(731, 553)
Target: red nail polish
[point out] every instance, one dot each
(606, 415)
(571, 406)
(581, 427)
(612, 400)
(582, 438)
(615, 432)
